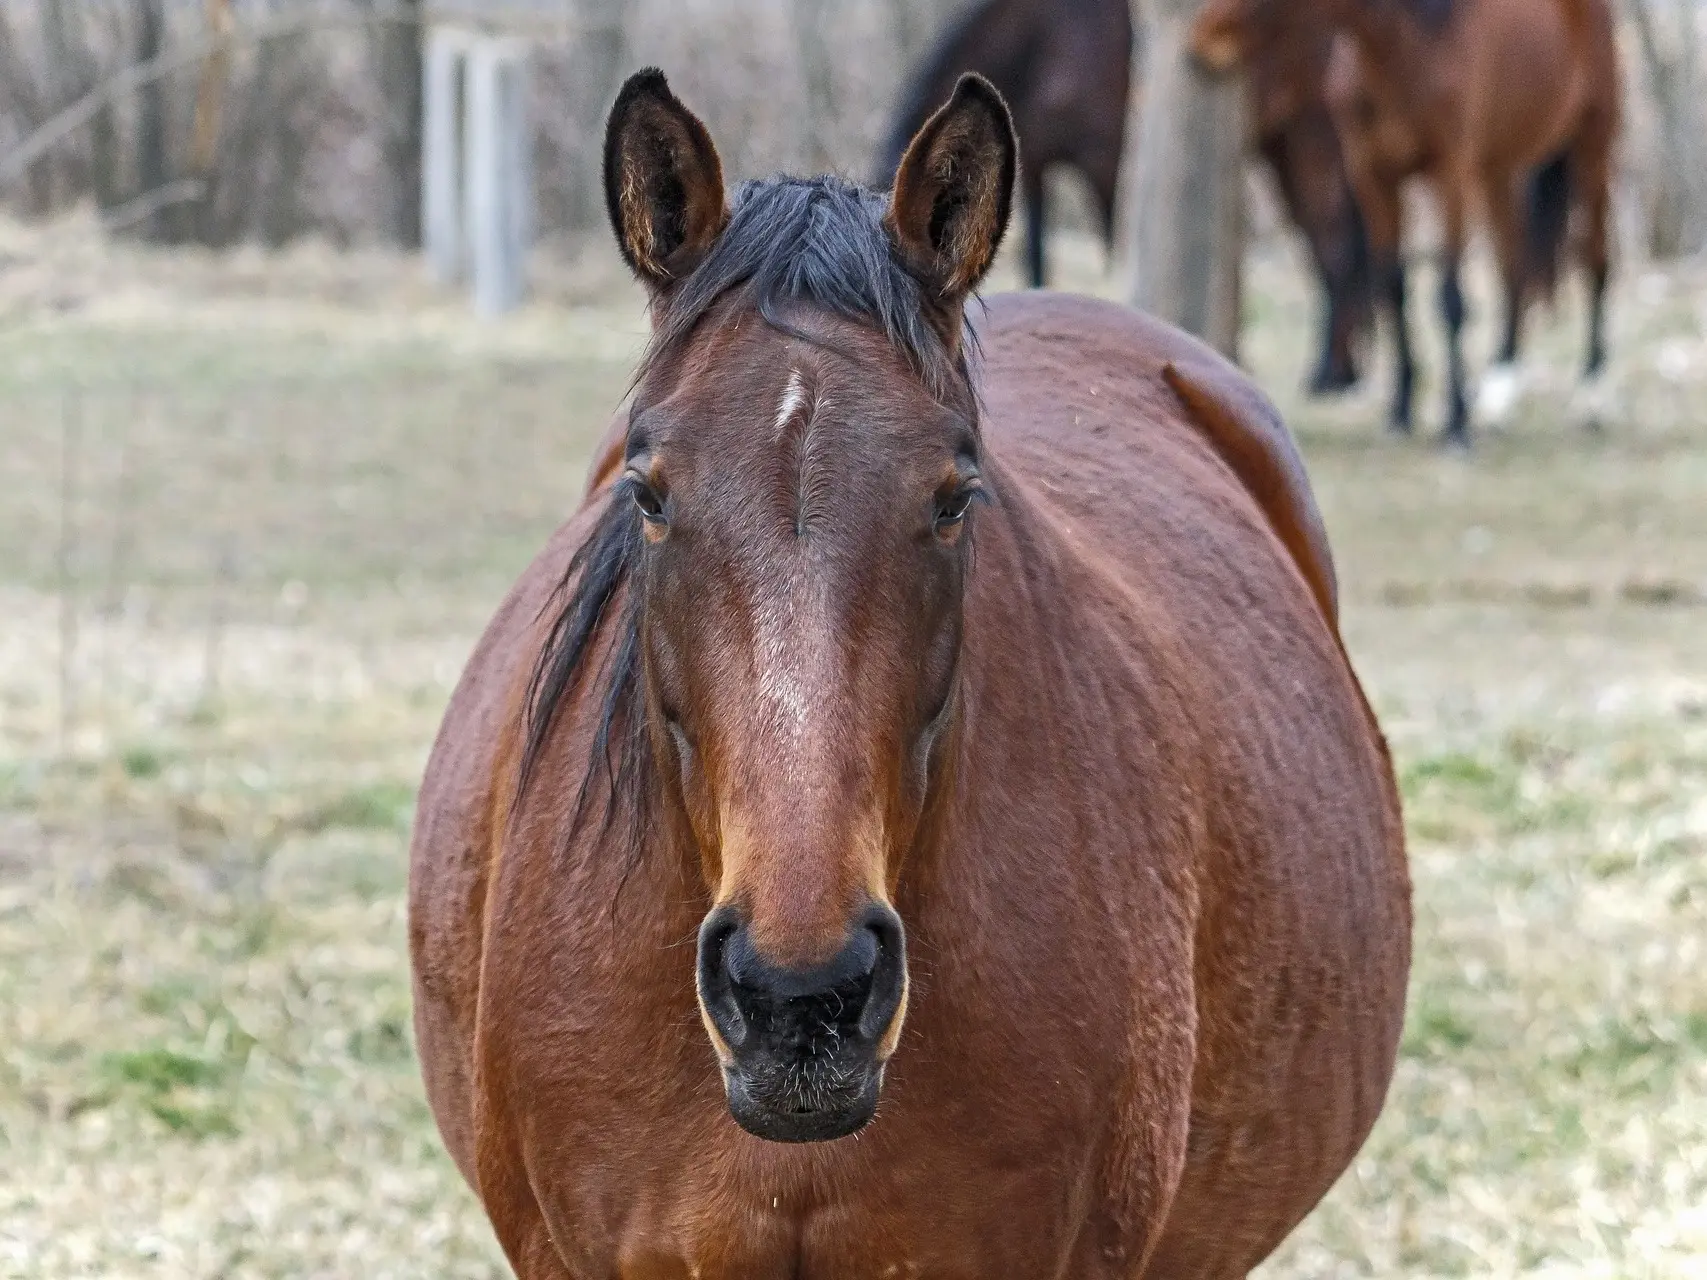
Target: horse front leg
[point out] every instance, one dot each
(1036, 230)
(1383, 213)
(1453, 193)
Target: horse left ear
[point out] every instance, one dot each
(954, 191)
(663, 181)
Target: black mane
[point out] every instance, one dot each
(816, 242)
(821, 242)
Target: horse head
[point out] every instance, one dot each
(801, 466)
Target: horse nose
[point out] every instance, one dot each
(760, 1007)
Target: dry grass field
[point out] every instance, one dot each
(298, 485)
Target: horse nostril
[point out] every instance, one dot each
(716, 987)
(888, 977)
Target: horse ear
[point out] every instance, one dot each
(954, 191)
(663, 181)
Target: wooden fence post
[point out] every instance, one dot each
(1185, 172)
(443, 90)
(499, 180)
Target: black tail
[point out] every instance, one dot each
(1549, 215)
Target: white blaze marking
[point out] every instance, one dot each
(793, 400)
(792, 660)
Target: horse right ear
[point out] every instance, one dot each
(954, 191)
(663, 181)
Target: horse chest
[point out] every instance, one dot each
(738, 1232)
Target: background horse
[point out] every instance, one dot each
(1064, 65)
(764, 797)
(1511, 105)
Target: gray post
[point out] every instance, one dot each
(499, 207)
(443, 90)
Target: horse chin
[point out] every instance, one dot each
(801, 1112)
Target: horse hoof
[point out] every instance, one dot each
(1455, 442)
(1594, 403)
(1498, 396)
(1330, 382)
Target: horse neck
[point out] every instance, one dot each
(1014, 669)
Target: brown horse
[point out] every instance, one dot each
(1033, 650)
(1064, 65)
(1509, 105)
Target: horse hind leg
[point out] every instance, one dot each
(1453, 190)
(1591, 165)
(1591, 181)
(1501, 385)
(1036, 228)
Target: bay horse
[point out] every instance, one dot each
(1509, 107)
(1065, 68)
(917, 818)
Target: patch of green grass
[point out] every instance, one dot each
(379, 806)
(1514, 790)
(210, 1120)
(19, 784)
(158, 1069)
(1434, 1029)
(1455, 769)
(142, 763)
(387, 1040)
(192, 1092)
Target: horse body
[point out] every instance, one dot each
(1152, 875)
(1161, 1075)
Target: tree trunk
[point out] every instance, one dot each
(67, 75)
(193, 219)
(397, 69)
(289, 62)
(151, 159)
(1677, 212)
(25, 98)
(1185, 191)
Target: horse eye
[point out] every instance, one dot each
(952, 510)
(647, 499)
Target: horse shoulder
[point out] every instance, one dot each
(461, 817)
(1040, 335)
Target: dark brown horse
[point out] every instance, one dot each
(1064, 65)
(1509, 106)
(955, 722)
